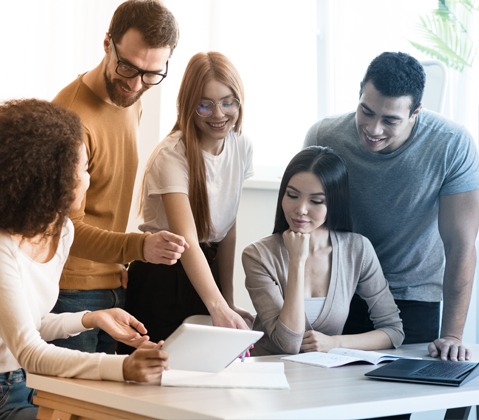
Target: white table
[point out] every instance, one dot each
(316, 393)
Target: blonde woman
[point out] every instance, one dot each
(192, 187)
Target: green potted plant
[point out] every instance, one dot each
(447, 33)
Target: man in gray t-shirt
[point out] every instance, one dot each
(414, 185)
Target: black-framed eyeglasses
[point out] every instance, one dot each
(129, 71)
(228, 106)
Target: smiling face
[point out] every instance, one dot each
(131, 50)
(383, 123)
(304, 203)
(215, 127)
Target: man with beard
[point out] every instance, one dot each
(140, 40)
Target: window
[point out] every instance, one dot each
(299, 61)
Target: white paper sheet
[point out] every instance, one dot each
(263, 375)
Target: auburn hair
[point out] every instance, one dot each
(202, 68)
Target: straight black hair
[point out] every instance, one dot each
(331, 170)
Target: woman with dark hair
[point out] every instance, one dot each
(43, 177)
(192, 187)
(301, 279)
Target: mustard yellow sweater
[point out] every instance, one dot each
(100, 244)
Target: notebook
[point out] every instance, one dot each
(437, 372)
(206, 348)
(341, 356)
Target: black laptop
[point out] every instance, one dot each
(437, 372)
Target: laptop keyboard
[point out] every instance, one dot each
(444, 369)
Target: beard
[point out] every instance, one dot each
(114, 90)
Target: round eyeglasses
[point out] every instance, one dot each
(129, 71)
(228, 106)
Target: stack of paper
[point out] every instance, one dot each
(264, 375)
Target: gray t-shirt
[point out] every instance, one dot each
(395, 196)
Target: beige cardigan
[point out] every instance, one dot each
(355, 269)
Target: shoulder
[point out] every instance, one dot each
(6, 243)
(66, 238)
(168, 155)
(270, 245)
(447, 130)
(171, 146)
(240, 142)
(333, 126)
(335, 121)
(68, 94)
(68, 230)
(353, 241)
(446, 143)
(78, 97)
(268, 255)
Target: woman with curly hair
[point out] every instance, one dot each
(43, 176)
(192, 187)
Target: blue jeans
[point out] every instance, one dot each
(16, 397)
(95, 340)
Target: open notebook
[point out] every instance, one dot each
(341, 356)
(437, 372)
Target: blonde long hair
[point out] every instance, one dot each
(202, 68)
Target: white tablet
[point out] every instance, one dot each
(206, 348)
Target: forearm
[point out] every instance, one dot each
(458, 226)
(292, 312)
(104, 246)
(200, 276)
(371, 340)
(457, 288)
(225, 259)
(89, 320)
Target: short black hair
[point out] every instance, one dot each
(396, 74)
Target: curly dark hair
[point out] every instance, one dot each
(397, 74)
(39, 154)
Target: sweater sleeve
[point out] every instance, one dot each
(374, 289)
(265, 272)
(64, 325)
(104, 246)
(21, 343)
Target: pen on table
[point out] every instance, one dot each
(243, 355)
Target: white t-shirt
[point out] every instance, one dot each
(167, 172)
(28, 292)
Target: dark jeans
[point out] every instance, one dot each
(16, 397)
(420, 319)
(162, 296)
(94, 340)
